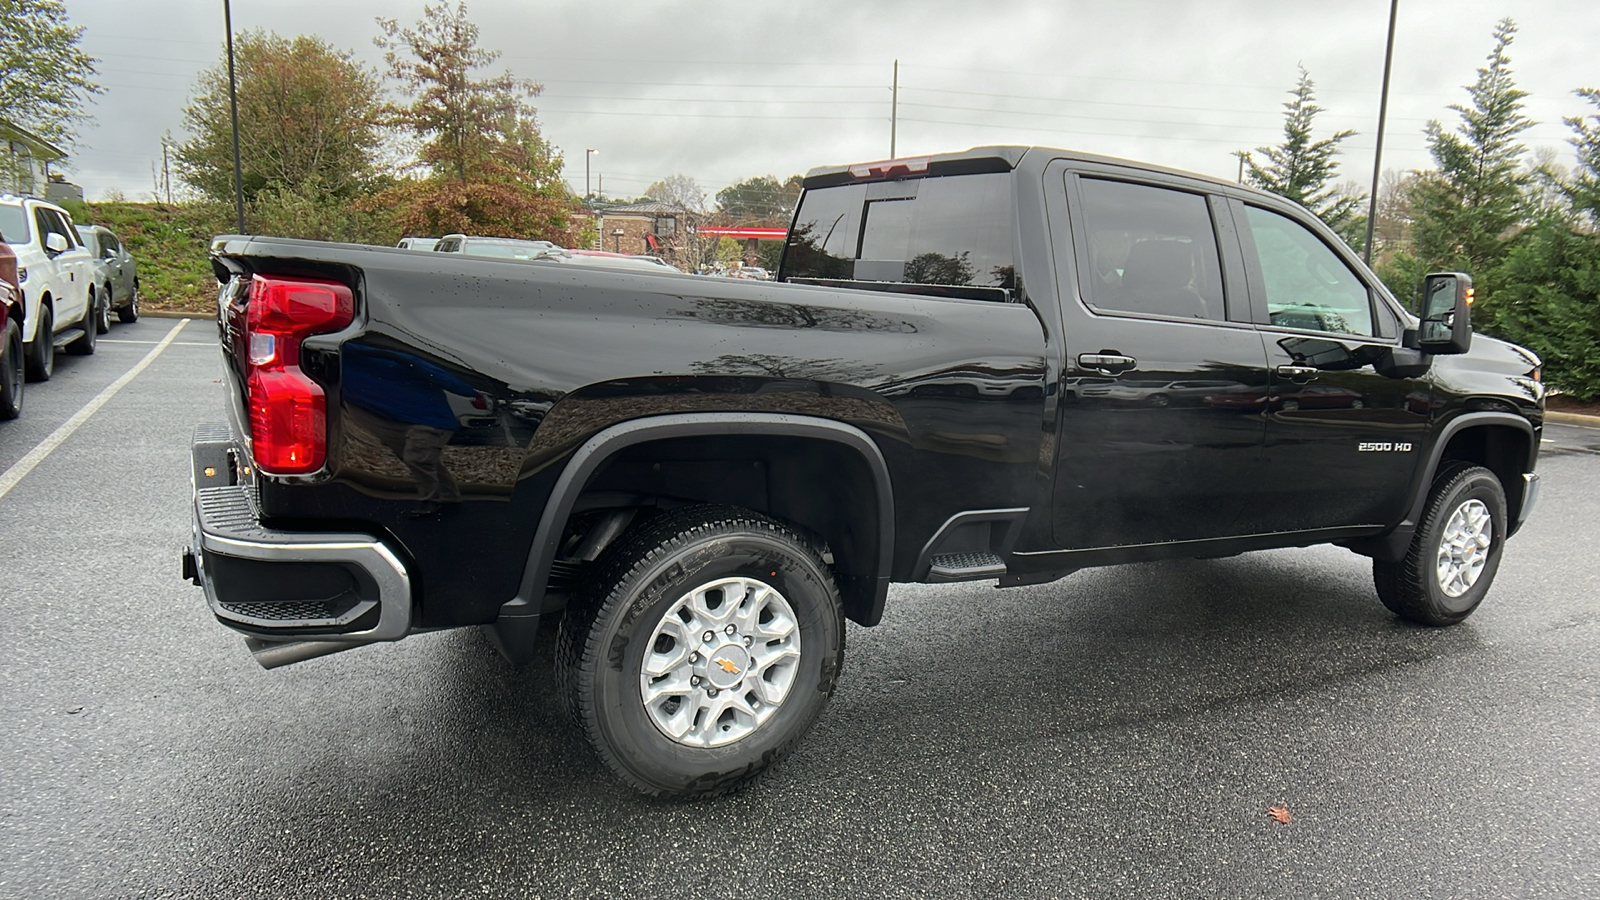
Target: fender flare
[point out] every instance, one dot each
(598, 449)
(1419, 495)
(1393, 545)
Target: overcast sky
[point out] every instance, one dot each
(723, 91)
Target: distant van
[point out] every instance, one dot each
(417, 243)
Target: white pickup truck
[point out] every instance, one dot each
(58, 292)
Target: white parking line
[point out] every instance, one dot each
(23, 466)
(174, 343)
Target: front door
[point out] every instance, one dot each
(1344, 434)
(1158, 437)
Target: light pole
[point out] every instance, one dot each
(1377, 155)
(233, 111)
(586, 154)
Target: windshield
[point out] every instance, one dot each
(14, 224)
(521, 250)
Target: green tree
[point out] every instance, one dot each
(1584, 190)
(489, 170)
(1546, 297)
(763, 199)
(308, 121)
(45, 79)
(1465, 208)
(1301, 167)
(679, 190)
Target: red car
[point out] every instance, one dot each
(10, 335)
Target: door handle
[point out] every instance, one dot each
(1109, 362)
(1292, 371)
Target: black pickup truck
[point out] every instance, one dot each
(1005, 364)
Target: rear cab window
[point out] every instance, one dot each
(944, 235)
(1152, 250)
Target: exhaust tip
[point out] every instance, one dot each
(275, 654)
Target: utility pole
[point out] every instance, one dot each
(586, 154)
(1377, 155)
(166, 170)
(233, 107)
(894, 107)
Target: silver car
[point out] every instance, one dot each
(114, 275)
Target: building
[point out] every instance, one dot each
(650, 227)
(25, 160)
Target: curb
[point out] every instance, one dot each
(169, 314)
(1566, 418)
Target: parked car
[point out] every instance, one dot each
(115, 275)
(725, 473)
(11, 367)
(495, 247)
(56, 273)
(417, 243)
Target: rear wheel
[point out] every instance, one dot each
(42, 353)
(84, 345)
(1453, 555)
(707, 645)
(130, 313)
(11, 371)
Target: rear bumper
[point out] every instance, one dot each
(286, 586)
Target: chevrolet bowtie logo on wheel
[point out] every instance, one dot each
(728, 667)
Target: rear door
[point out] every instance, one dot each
(1344, 438)
(1161, 424)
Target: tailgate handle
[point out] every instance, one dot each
(1291, 371)
(1109, 362)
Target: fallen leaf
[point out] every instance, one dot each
(1280, 814)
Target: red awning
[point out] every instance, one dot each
(760, 234)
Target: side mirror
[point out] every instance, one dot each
(55, 243)
(1446, 313)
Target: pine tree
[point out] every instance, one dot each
(1584, 191)
(1301, 168)
(44, 78)
(1465, 208)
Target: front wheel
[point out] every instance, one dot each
(705, 647)
(102, 317)
(11, 371)
(1453, 555)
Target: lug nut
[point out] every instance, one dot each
(748, 640)
(729, 629)
(710, 636)
(694, 658)
(711, 692)
(694, 679)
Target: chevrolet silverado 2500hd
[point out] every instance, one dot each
(1004, 364)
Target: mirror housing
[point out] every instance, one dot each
(1446, 313)
(55, 243)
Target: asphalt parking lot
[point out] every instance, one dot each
(1120, 733)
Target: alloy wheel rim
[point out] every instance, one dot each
(1464, 547)
(721, 662)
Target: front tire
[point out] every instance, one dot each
(42, 355)
(705, 647)
(11, 371)
(1453, 555)
(102, 318)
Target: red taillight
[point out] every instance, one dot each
(911, 165)
(288, 411)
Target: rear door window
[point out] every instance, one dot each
(1152, 250)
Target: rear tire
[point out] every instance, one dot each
(740, 625)
(42, 354)
(130, 313)
(84, 345)
(1453, 555)
(11, 371)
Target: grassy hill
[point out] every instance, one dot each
(169, 244)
